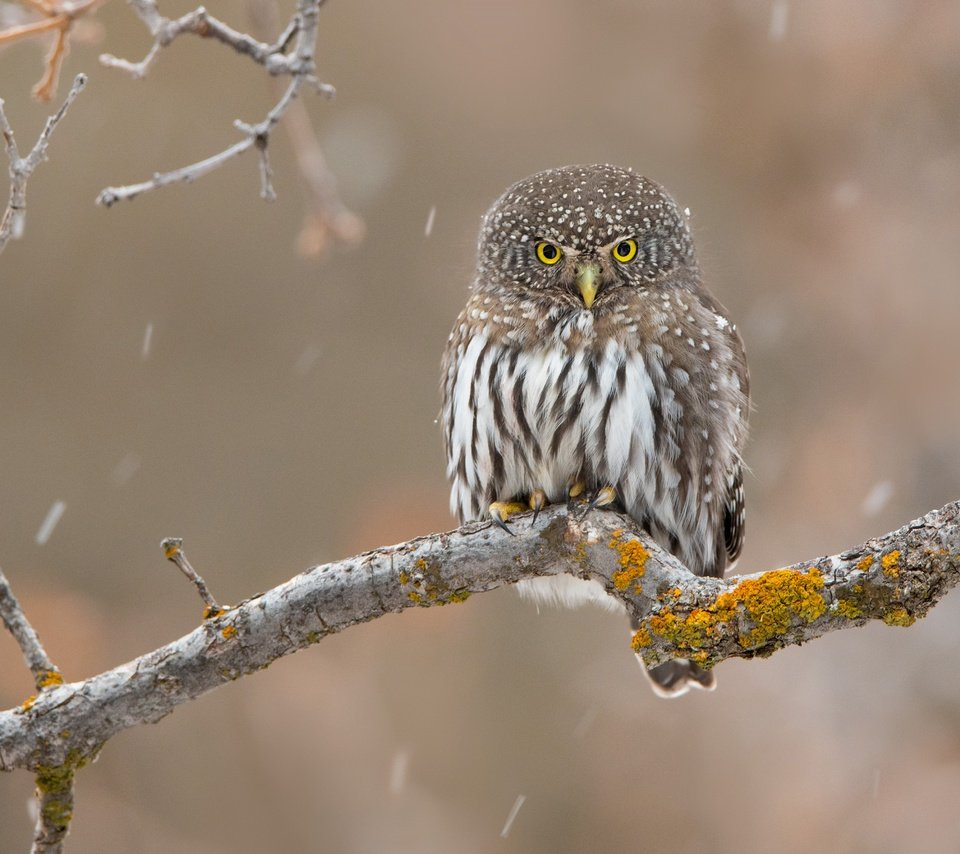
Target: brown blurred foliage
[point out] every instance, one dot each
(284, 415)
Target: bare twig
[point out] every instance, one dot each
(58, 17)
(12, 223)
(173, 551)
(278, 58)
(201, 23)
(327, 219)
(895, 578)
(45, 672)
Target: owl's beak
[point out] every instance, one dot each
(587, 284)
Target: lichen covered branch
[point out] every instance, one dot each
(54, 784)
(21, 168)
(895, 578)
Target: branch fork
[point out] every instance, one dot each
(21, 168)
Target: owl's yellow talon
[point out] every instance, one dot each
(576, 489)
(538, 500)
(604, 496)
(500, 511)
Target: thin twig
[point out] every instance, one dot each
(12, 223)
(298, 63)
(327, 218)
(45, 672)
(201, 23)
(173, 551)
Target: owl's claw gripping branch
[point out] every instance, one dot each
(500, 511)
(603, 497)
(538, 500)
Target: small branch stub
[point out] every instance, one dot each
(45, 672)
(173, 551)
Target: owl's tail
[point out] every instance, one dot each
(674, 678)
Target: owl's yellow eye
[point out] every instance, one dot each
(548, 253)
(625, 251)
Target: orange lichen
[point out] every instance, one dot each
(864, 563)
(633, 559)
(891, 564)
(27, 704)
(641, 640)
(770, 603)
(690, 632)
(228, 631)
(48, 678)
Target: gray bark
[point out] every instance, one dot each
(895, 578)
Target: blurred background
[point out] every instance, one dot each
(174, 366)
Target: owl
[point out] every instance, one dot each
(591, 360)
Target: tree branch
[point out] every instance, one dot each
(54, 785)
(44, 671)
(327, 220)
(895, 578)
(278, 58)
(21, 168)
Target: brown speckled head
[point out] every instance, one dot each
(583, 209)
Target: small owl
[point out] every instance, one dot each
(590, 358)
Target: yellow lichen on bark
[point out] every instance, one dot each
(899, 617)
(50, 677)
(846, 608)
(775, 600)
(641, 640)
(891, 564)
(633, 559)
(771, 604)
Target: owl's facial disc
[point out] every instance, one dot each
(588, 281)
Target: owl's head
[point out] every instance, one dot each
(580, 232)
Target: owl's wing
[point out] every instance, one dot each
(734, 515)
(734, 510)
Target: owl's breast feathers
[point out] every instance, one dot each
(647, 393)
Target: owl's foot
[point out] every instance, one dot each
(538, 500)
(602, 497)
(500, 511)
(576, 489)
